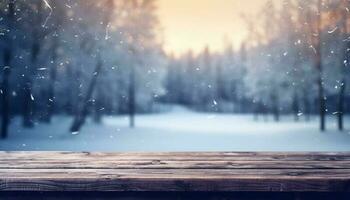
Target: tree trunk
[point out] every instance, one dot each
(80, 95)
(322, 102)
(5, 95)
(341, 106)
(295, 106)
(28, 100)
(5, 87)
(50, 100)
(38, 36)
(132, 97)
(275, 107)
(98, 105)
(307, 109)
(80, 117)
(51, 88)
(318, 63)
(69, 103)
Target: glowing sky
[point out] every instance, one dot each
(194, 24)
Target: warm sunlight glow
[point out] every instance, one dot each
(194, 24)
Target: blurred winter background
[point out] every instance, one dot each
(175, 75)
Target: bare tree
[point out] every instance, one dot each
(83, 110)
(319, 68)
(131, 93)
(82, 113)
(7, 55)
(51, 84)
(346, 45)
(38, 33)
(50, 100)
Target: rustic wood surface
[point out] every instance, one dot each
(171, 196)
(174, 172)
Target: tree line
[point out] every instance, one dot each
(78, 57)
(295, 60)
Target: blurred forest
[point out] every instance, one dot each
(87, 58)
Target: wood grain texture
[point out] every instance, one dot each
(171, 196)
(177, 172)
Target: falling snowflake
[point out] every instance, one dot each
(75, 133)
(333, 30)
(51, 10)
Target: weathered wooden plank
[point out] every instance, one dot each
(181, 156)
(166, 164)
(180, 185)
(174, 180)
(181, 172)
(171, 196)
(177, 173)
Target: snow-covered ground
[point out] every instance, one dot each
(180, 130)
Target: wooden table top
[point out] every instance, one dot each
(179, 172)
